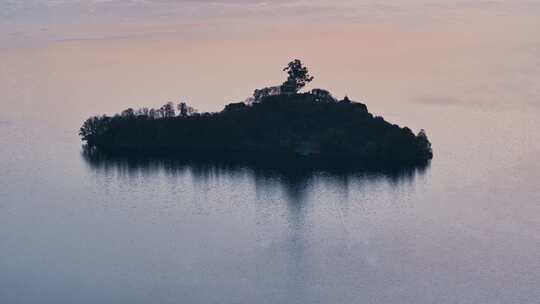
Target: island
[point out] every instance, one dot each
(279, 121)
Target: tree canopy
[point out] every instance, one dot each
(298, 76)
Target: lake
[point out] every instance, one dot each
(464, 229)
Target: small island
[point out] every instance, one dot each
(275, 122)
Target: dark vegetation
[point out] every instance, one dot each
(277, 122)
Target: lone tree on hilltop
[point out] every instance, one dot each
(297, 79)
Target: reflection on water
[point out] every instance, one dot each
(259, 231)
(294, 176)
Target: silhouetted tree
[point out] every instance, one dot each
(128, 113)
(93, 128)
(182, 109)
(259, 94)
(142, 112)
(153, 113)
(323, 95)
(185, 110)
(167, 110)
(424, 142)
(289, 87)
(298, 77)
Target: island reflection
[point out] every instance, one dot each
(293, 175)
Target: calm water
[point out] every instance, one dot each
(466, 229)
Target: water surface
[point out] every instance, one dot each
(466, 229)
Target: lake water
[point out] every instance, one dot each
(466, 229)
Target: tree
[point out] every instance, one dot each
(259, 94)
(424, 141)
(185, 110)
(128, 113)
(142, 112)
(93, 127)
(153, 113)
(298, 77)
(167, 110)
(323, 95)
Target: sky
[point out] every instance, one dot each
(31, 21)
(93, 57)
